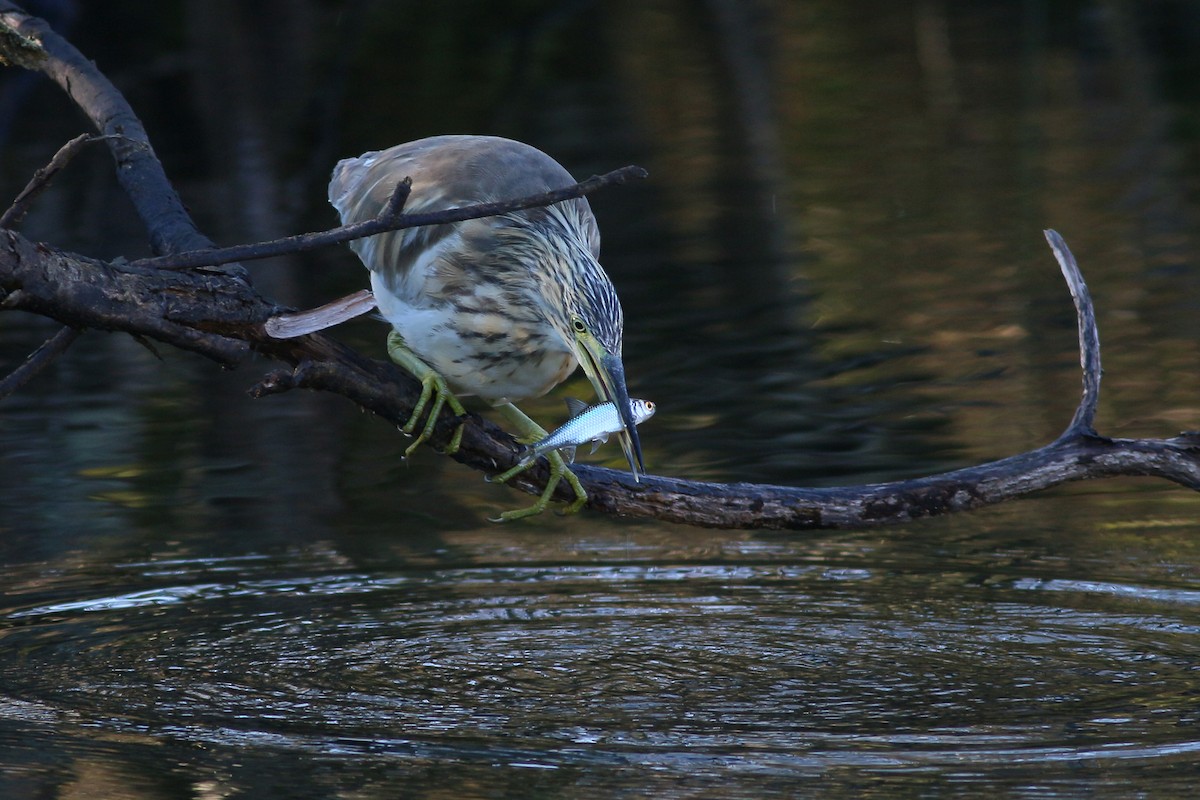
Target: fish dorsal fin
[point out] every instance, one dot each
(575, 406)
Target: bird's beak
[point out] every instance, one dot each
(607, 374)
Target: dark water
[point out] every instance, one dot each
(836, 275)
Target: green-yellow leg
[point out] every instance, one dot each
(530, 431)
(432, 385)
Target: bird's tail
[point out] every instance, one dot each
(345, 179)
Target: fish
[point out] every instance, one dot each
(587, 424)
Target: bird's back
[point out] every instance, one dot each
(446, 172)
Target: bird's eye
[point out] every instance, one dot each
(578, 324)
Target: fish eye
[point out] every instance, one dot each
(649, 406)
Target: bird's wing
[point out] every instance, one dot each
(446, 172)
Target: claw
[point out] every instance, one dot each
(558, 471)
(433, 386)
(436, 395)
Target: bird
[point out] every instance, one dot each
(501, 308)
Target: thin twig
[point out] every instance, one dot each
(386, 221)
(395, 204)
(38, 360)
(1089, 337)
(139, 171)
(42, 177)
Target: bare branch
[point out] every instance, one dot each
(189, 310)
(781, 507)
(395, 203)
(388, 220)
(41, 179)
(139, 172)
(19, 50)
(38, 360)
(1089, 336)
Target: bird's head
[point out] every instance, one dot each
(598, 350)
(583, 306)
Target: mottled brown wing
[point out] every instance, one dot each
(446, 172)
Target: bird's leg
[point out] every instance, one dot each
(432, 385)
(530, 431)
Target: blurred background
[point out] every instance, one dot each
(835, 274)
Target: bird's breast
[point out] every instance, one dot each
(481, 349)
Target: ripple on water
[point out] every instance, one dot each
(757, 667)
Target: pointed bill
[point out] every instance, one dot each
(607, 374)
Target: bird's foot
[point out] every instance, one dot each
(558, 472)
(433, 387)
(530, 431)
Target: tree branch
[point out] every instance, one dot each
(38, 360)
(222, 318)
(1089, 337)
(57, 344)
(42, 178)
(389, 219)
(139, 171)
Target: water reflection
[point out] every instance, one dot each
(784, 660)
(835, 275)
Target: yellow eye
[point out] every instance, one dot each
(578, 324)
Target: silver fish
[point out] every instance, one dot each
(587, 424)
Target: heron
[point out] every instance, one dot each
(501, 308)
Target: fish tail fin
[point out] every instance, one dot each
(530, 453)
(526, 454)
